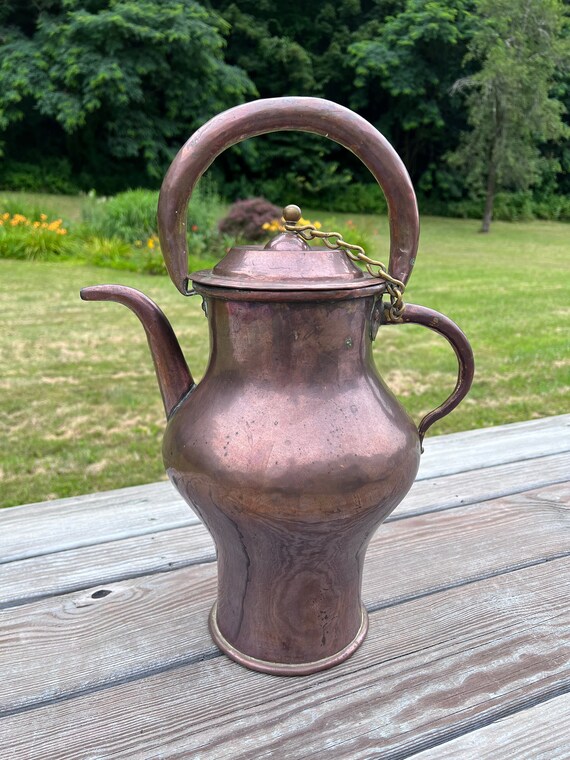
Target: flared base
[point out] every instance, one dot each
(283, 668)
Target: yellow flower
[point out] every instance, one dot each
(43, 217)
(318, 225)
(36, 224)
(150, 243)
(5, 216)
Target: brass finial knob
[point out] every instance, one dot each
(291, 213)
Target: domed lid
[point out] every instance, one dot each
(287, 262)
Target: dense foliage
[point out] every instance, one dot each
(109, 89)
(101, 93)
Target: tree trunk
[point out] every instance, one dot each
(490, 198)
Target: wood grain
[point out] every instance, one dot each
(451, 491)
(37, 529)
(431, 669)
(77, 569)
(538, 733)
(149, 623)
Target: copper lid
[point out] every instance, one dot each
(287, 262)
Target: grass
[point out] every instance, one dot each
(67, 206)
(80, 410)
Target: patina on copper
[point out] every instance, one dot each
(291, 449)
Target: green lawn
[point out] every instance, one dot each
(80, 410)
(67, 206)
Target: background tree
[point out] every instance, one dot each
(512, 101)
(101, 93)
(110, 83)
(287, 53)
(404, 64)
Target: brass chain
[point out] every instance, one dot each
(395, 288)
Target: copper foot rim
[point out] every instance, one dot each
(282, 668)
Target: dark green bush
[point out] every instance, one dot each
(508, 207)
(52, 175)
(352, 197)
(363, 199)
(556, 207)
(514, 207)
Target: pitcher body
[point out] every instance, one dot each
(293, 451)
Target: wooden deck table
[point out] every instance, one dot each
(105, 651)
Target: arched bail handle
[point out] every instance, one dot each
(315, 115)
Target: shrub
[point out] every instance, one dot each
(46, 176)
(128, 216)
(513, 207)
(555, 207)
(361, 199)
(354, 198)
(107, 252)
(21, 206)
(131, 216)
(34, 236)
(351, 233)
(245, 219)
(25, 238)
(508, 207)
(350, 197)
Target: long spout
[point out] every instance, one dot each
(174, 377)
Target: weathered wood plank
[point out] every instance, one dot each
(35, 529)
(538, 733)
(146, 624)
(430, 670)
(469, 450)
(117, 515)
(76, 569)
(450, 491)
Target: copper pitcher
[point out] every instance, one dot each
(291, 449)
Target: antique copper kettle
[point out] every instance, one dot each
(291, 449)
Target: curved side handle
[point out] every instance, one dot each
(315, 115)
(439, 323)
